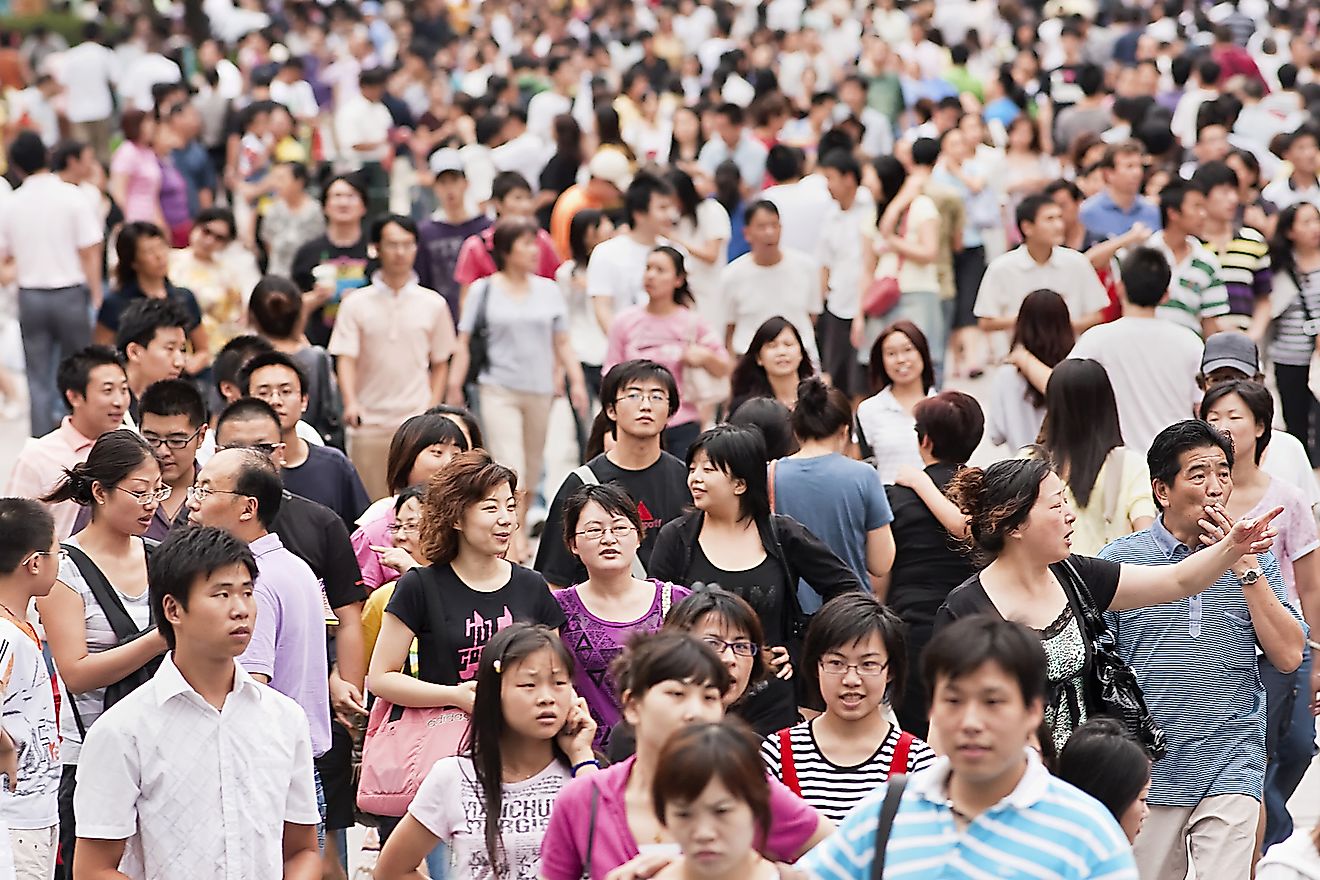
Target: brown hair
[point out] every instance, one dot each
(727, 751)
(1122, 148)
(997, 500)
(468, 479)
(507, 232)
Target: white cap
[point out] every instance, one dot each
(445, 159)
(611, 166)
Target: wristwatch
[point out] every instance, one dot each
(1249, 577)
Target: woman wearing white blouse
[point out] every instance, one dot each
(902, 373)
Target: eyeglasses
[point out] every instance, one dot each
(201, 493)
(596, 533)
(264, 448)
(639, 396)
(741, 649)
(62, 554)
(868, 668)
(404, 528)
(288, 392)
(146, 499)
(172, 442)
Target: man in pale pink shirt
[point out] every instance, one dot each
(93, 383)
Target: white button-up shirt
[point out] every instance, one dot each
(197, 792)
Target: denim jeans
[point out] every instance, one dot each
(1289, 742)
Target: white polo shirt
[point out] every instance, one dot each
(1011, 276)
(43, 225)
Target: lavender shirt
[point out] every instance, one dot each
(288, 636)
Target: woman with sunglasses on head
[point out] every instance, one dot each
(219, 276)
(602, 528)
(121, 483)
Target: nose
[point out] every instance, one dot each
(851, 676)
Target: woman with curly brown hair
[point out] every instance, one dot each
(1020, 520)
(464, 595)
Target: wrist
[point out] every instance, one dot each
(578, 766)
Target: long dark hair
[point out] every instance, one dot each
(1045, 329)
(879, 378)
(1081, 423)
(1282, 259)
(583, 221)
(113, 456)
(686, 191)
(568, 139)
(682, 293)
(749, 378)
(510, 646)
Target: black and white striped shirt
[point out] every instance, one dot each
(1291, 346)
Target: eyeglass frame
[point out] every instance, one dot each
(263, 448)
(752, 648)
(398, 528)
(612, 530)
(884, 667)
(654, 397)
(156, 496)
(201, 493)
(61, 554)
(172, 442)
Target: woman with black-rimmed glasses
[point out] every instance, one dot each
(121, 483)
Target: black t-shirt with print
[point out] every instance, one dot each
(661, 494)
(453, 622)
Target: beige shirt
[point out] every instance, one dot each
(396, 336)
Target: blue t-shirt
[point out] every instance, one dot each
(328, 477)
(839, 500)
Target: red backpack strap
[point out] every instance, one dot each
(787, 769)
(898, 763)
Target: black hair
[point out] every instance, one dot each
(508, 647)
(954, 423)
(731, 112)
(1165, 456)
(64, 153)
(246, 409)
(298, 171)
(1146, 274)
(507, 182)
(185, 555)
(224, 215)
(997, 499)
(925, 151)
(1103, 760)
(612, 498)
(507, 232)
(27, 153)
(1171, 199)
(784, 163)
(1081, 424)
(967, 644)
(258, 479)
(230, 359)
(412, 493)
(739, 452)
(683, 293)
(173, 397)
(620, 376)
(26, 527)
(407, 224)
(374, 76)
(667, 655)
(685, 192)
(1063, 185)
(749, 378)
(644, 187)
(416, 434)
(351, 180)
(758, 206)
(845, 620)
(821, 411)
(75, 371)
(879, 378)
(470, 424)
(1282, 259)
(842, 162)
(1044, 328)
(270, 359)
(891, 174)
(1259, 402)
(708, 600)
(126, 248)
(139, 322)
(773, 420)
(275, 306)
(113, 456)
(583, 221)
(1213, 174)
(1029, 208)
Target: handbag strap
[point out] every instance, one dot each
(591, 831)
(787, 766)
(479, 323)
(888, 810)
(589, 478)
(899, 760)
(770, 480)
(666, 599)
(1113, 480)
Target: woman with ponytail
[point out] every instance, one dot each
(668, 330)
(1020, 520)
(107, 561)
(530, 733)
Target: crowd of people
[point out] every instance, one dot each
(305, 288)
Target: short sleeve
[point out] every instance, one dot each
(792, 822)
(438, 803)
(300, 806)
(713, 221)
(1100, 576)
(470, 265)
(878, 513)
(442, 334)
(467, 319)
(408, 603)
(547, 610)
(848, 852)
(88, 229)
(770, 756)
(561, 855)
(1092, 297)
(600, 280)
(373, 611)
(258, 658)
(814, 302)
(342, 576)
(553, 559)
(1135, 496)
(345, 339)
(986, 305)
(109, 782)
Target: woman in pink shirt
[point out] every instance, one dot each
(668, 330)
(135, 172)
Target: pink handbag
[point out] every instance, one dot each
(401, 746)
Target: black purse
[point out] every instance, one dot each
(479, 341)
(1112, 686)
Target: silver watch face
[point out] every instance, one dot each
(1251, 576)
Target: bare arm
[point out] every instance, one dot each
(1306, 574)
(66, 632)
(603, 306)
(1031, 368)
(1209, 327)
(351, 654)
(1104, 251)
(1277, 631)
(98, 859)
(90, 258)
(1260, 319)
(567, 360)
(346, 370)
(925, 249)
(992, 324)
(458, 369)
(403, 852)
(944, 510)
(200, 358)
(880, 585)
(386, 681)
(439, 381)
(879, 551)
(1086, 322)
(302, 854)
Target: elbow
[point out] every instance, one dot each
(1287, 661)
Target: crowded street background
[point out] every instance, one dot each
(659, 438)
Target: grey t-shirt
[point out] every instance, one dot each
(521, 346)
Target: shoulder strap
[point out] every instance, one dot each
(479, 323)
(888, 810)
(770, 481)
(120, 622)
(787, 768)
(899, 761)
(666, 599)
(589, 478)
(1113, 481)
(591, 830)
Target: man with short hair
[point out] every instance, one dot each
(988, 807)
(1243, 253)
(1041, 262)
(161, 769)
(638, 398)
(1201, 651)
(839, 251)
(333, 265)
(732, 141)
(441, 236)
(95, 388)
(803, 202)
(1301, 150)
(392, 342)
(769, 281)
(362, 128)
(320, 473)
(614, 273)
(89, 70)
(1120, 205)
(54, 237)
(153, 342)
(1197, 297)
(29, 740)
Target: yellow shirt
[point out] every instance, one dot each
(1091, 531)
(373, 612)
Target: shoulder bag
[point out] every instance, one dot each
(121, 624)
(885, 825)
(329, 405)
(1112, 685)
(700, 388)
(479, 340)
(884, 292)
(402, 745)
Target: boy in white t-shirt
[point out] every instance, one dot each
(29, 743)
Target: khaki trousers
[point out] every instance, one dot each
(369, 450)
(1220, 832)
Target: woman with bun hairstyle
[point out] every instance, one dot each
(121, 483)
(853, 517)
(275, 311)
(1019, 518)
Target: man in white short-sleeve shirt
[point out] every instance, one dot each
(201, 772)
(616, 267)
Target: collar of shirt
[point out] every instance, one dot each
(170, 683)
(1025, 260)
(932, 784)
(72, 437)
(267, 543)
(1164, 539)
(378, 282)
(1107, 202)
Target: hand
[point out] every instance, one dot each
(577, 395)
(396, 558)
(694, 356)
(454, 395)
(1255, 217)
(1016, 355)
(579, 731)
(911, 477)
(1138, 233)
(780, 663)
(318, 296)
(641, 868)
(352, 415)
(467, 693)
(1246, 536)
(9, 762)
(346, 701)
(858, 333)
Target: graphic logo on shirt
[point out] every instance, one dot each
(649, 521)
(480, 631)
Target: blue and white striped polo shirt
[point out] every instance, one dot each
(1196, 661)
(1044, 830)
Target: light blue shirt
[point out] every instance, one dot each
(749, 156)
(1101, 215)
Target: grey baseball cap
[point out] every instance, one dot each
(1230, 349)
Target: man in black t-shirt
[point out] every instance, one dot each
(639, 398)
(342, 251)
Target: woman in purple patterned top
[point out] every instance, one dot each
(602, 527)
